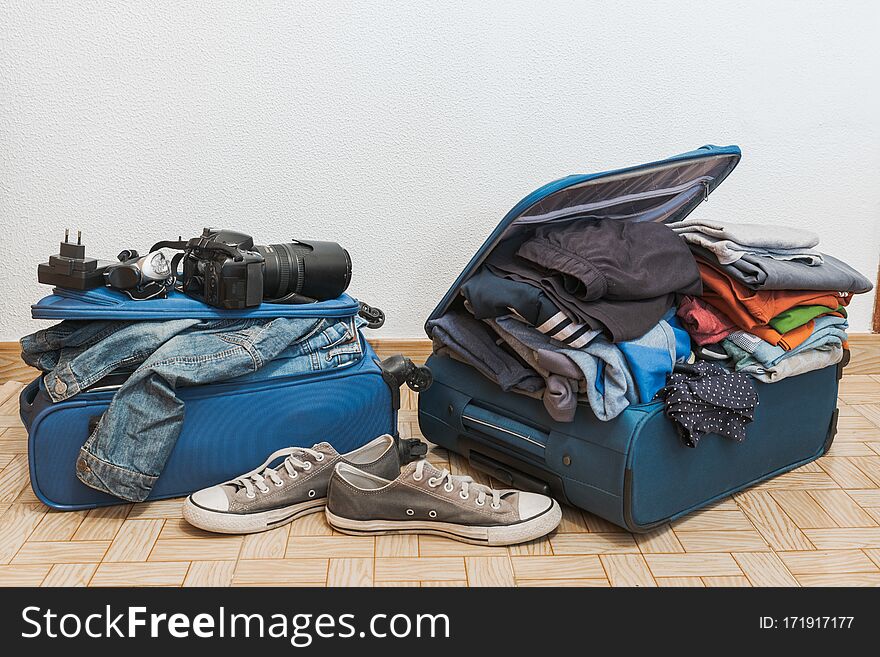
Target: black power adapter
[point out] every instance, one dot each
(70, 268)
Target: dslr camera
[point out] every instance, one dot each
(224, 268)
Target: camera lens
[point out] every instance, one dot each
(319, 270)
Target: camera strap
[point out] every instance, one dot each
(197, 243)
(176, 261)
(177, 245)
(293, 297)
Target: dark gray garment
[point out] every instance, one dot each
(473, 343)
(613, 260)
(759, 273)
(620, 320)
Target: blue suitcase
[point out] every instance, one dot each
(634, 470)
(229, 427)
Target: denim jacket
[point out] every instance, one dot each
(128, 449)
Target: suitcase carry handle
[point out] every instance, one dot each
(503, 429)
(27, 406)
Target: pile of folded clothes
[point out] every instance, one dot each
(584, 311)
(602, 311)
(772, 306)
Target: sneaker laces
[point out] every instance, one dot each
(257, 478)
(467, 484)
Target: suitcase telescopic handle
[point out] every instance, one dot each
(503, 429)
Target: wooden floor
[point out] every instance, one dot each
(816, 526)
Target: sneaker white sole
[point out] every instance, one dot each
(520, 532)
(248, 523)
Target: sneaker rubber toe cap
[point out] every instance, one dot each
(213, 499)
(533, 504)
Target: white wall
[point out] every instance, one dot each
(406, 131)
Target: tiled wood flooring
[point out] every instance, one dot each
(816, 526)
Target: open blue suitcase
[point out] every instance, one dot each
(634, 470)
(229, 427)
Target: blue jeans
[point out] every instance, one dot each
(127, 451)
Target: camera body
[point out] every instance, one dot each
(222, 269)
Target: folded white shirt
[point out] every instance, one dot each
(729, 241)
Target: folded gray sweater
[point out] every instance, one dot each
(760, 273)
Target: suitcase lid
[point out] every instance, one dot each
(104, 303)
(667, 190)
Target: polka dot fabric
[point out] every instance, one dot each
(707, 398)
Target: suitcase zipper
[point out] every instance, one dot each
(104, 388)
(609, 203)
(527, 439)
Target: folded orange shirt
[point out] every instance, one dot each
(751, 310)
(787, 341)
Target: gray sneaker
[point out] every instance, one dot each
(425, 500)
(269, 497)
